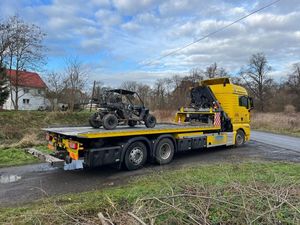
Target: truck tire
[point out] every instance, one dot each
(132, 123)
(239, 138)
(110, 121)
(94, 121)
(135, 156)
(164, 151)
(150, 121)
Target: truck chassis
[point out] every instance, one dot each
(133, 147)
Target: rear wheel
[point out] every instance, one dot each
(110, 121)
(95, 120)
(150, 121)
(135, 156)
(164, 151)
(239, 138)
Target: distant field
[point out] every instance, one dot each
(284, 123)
(245, 193)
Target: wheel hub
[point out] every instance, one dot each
(165, 151)
(136, 156)
(239, 139)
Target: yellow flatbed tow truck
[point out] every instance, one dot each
(219, 115)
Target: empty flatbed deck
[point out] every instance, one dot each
(88, 132)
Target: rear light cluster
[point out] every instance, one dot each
(73, 145)
(49, 137)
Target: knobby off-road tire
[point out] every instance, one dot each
(150, 121)
(110, 121)
(164, 151)
(94, 122)
(239, 138)
(135, 156)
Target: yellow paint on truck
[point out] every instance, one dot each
(230, 97)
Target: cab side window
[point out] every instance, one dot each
(243, 101)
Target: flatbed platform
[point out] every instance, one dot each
(88, 132)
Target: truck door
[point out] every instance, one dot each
(244, 115)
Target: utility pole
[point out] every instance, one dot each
(92, 96)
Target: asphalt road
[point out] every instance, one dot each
(33, 182)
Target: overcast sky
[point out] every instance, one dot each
(117, 37)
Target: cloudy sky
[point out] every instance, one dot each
(117, 38)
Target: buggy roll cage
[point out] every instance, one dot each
(126, 93)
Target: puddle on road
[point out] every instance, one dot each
(5, 179)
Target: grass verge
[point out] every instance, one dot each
(280, 123)
(256, 193)
(15, 157)
(23, 128)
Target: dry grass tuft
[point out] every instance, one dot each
(23, 128)
(288, 123)
(290, 109)
(164, 116)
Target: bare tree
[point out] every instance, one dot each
(4, 91)
(5, 39)
(75, 81)
(55, 83)
(130, 85)
(293, 84)
(213, 71)
(25, 50)
(143, 90)
(257, 80)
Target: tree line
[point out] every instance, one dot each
(270, 95)
(22, 48)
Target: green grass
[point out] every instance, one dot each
(15, 157)
(218, 194)
(44, 149)
(23, 129)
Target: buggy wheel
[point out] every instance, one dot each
(135, 156)
(95, 120)
(110, 121)
(150, 121)
(132, 123)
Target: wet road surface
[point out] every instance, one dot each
(27, 183)
(282, 141)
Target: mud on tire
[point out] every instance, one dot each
(110, 121)
(95, 121)
(150, 121)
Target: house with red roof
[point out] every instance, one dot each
(29, 88)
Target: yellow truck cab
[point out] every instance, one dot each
(218, 115)
(235, 102)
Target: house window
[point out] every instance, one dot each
(39, 91)
(25, 101)
(26, 90)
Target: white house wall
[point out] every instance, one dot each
(36, 100)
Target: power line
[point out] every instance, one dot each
(210, 34)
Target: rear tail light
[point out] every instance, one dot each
(49, 137)
(73, 145)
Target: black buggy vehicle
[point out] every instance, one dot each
(121, 107)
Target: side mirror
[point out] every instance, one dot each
(250, 103)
